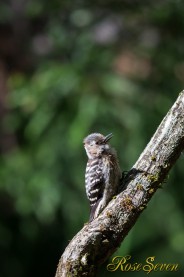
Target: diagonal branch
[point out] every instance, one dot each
(98, 240)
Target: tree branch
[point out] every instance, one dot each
(99, 239)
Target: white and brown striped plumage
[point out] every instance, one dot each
(102, 172)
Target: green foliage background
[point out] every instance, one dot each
(68, 69)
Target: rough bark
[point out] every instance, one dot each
(99, 239)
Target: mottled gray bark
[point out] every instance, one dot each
(99, 239)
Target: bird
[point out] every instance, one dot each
(103, 173)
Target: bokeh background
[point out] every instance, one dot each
(69, 68)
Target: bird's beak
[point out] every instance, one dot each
(108, 137)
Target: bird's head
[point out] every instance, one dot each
(95, 144)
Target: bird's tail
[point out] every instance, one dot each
(93, 210)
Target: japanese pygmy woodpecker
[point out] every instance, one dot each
(103, 173)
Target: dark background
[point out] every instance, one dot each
(69, 68)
